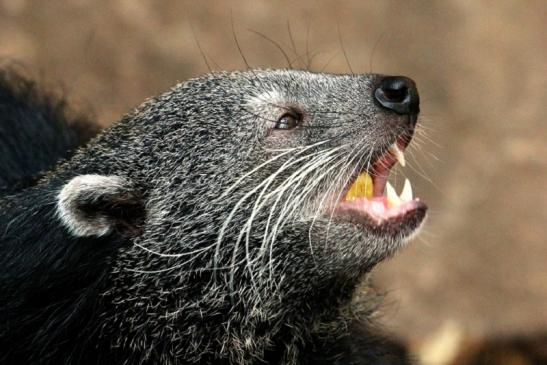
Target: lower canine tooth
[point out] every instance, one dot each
(406, 194)
(392, 197)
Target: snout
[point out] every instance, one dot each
(398, 94)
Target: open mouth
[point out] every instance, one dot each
(371, 199)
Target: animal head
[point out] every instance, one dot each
(257, 190)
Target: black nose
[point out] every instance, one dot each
(399, 94)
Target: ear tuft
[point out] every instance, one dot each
(97, 205)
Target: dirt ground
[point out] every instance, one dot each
(479, 267)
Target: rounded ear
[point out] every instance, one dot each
(97, 205)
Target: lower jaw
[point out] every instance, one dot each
(379, 209)
(403, 224)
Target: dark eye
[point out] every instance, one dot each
(288, 121)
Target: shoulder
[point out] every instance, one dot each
(36, 130)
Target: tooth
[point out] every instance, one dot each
(399, 155)
(406, 194)
(361, 188)
(392, 197)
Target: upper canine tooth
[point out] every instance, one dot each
(392, 197)
(399, 155)
(406, 194)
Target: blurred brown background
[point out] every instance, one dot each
(480, 266)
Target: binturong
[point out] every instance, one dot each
(228, 221)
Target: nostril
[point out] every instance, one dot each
(396, 95)
(399, 94)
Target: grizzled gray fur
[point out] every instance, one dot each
(202, 233)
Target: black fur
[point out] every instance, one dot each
(43, 273)
(36, 131)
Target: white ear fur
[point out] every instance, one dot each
(88, 189)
